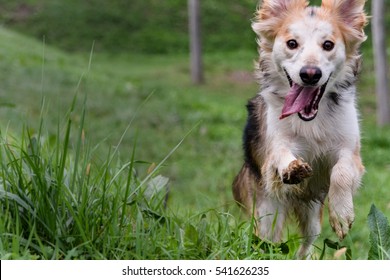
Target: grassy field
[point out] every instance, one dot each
(142, 123)
(150, 26)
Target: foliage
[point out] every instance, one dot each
(151, 26)
(336, 246)
(379, 235)
(64, 197)
(56, 203)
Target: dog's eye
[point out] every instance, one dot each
(292, 44)
(328, 45)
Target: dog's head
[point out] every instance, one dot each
(309, 45)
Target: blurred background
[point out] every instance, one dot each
(151, 26)
(130, 49)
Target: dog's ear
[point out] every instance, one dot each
(276, 8)
(271, 14)
(351, 17)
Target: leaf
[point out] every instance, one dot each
(339, 253)
(268, 246)
(4, 195)
(379, 235)
(336, 246)
(155, 186)
(154, 215)
(191, 234)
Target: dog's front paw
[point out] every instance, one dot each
(296, 172)
(341, 221)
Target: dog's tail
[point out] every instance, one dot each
(246, 187)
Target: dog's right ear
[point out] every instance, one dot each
(271, 14)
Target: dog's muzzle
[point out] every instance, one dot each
(304, 99)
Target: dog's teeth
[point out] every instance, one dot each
(312, 113)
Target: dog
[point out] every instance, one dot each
(302, 137)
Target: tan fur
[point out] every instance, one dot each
(292, 165)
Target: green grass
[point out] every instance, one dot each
(77, 176)
(140, 26)
(130, 26)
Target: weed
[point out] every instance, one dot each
(379, 235)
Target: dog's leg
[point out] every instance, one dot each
(269, 213)
(344, 180)
(283, 168)
(309, 218)
(270, 216)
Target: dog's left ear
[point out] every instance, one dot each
(351, 17)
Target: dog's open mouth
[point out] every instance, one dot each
(303, 100)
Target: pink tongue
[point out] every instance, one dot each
(297, 99)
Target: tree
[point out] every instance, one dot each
(195, 42)
(381, 67)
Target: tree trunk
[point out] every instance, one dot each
(381, 69)
(195, 42)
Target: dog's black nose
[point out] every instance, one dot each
(310, 75)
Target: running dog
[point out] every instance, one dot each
(302, 137)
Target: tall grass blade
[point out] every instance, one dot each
(147, 178)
